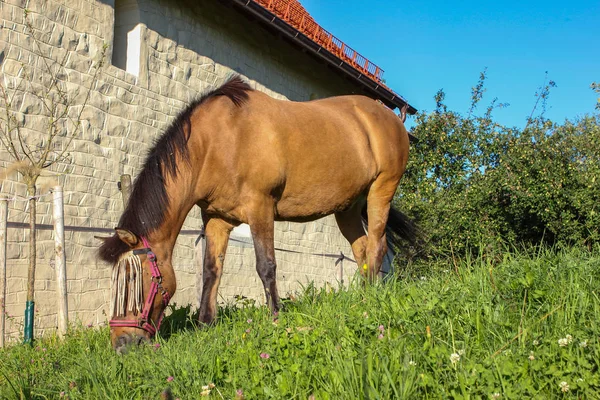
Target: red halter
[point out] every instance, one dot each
(142, 321)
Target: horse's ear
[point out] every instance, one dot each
(127, 237)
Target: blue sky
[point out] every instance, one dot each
(426, 46)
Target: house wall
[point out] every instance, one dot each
(186, 48)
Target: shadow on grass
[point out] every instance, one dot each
(184, 318)
(179, 319)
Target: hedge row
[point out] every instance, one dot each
(472, 182)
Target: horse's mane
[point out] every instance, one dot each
(145, 210)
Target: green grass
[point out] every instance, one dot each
(503, 317)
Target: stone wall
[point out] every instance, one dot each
(186, 48)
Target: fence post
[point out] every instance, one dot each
(125, 187)
(340, 270)
(200, 248)
(3, 240)
(60, 259)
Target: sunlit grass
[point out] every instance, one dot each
(477, 328)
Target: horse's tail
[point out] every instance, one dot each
(399, 229)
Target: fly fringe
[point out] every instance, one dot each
(119, 285)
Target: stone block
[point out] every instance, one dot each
(104, 284)
(46, 322)
(89, 285)
(74, 301)
(81, 271)
(15, 285)
(91, 301)
(44, 271)
(21, 298)
(117, 107)
(14, 251)
(74, 286)
(73, 5)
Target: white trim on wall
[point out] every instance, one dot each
(134, 44)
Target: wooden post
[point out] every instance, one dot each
(125, 187)
(60, 262)
(200, 253)
(340, 270)
(3, 240)
(30, 304)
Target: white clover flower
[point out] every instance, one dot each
(564, 386)
(536, 342)
(583, 343)
(454, 358)
(563, 342)
(569, 339)
(531, 356)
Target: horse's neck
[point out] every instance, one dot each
(181, 190)
(180, 204)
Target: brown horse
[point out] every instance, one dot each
(244, 157)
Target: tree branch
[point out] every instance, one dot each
(77, 123)
(9, 145)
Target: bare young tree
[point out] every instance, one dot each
(39, 94)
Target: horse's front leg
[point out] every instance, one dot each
(262, 225)
(217, 236)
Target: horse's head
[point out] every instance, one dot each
(143, 282)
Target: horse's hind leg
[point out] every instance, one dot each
(379, 198)
(261, 221)
(351, 226)
(217, 236)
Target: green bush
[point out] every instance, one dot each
(471, 181)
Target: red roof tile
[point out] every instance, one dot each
(293, 13)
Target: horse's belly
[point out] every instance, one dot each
(299, 211)
(315, 202)
(321, 183)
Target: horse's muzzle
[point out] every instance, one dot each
(124, 342)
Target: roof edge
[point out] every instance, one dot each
(377, 89)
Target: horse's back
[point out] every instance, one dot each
(354, 131)
(313, 158)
